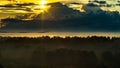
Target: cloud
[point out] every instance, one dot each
(62, 18)
(58, 11)
(17, 8)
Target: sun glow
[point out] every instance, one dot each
(43, 2)
(42, 7)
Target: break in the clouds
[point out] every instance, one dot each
(62, 18)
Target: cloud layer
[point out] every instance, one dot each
(62, 18)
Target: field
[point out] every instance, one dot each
(57, 52)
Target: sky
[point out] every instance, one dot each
(12, 11)
(109, 2)
(100, 17)
(37, 1)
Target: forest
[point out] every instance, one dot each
(58, 52)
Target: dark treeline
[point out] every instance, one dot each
(67, 41)
(57, 52)
(54, 39)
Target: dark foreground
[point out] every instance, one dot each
(56, 52)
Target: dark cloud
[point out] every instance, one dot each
(76, 3)
(17, 8)
(17, 5)
(60, 17)
(92, 5)
(60, 11)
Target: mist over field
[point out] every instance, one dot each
(57, 52)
